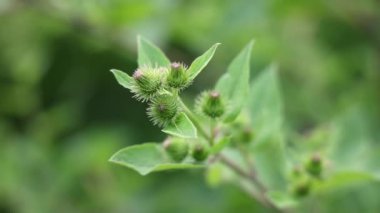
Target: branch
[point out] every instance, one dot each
(250, 176)
(261, 197)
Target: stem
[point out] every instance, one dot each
(251, 167)
(240, 171)
(250, 176)
(253, 179)
(212, 132)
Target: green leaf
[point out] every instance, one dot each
(351, 140)
(343, 179)
(214, 175)
(201, 62)
(123, 78)
(282, 200)
(181, 127)
(266, 118)
(220, 145)
(147, 158)
(150, 55)
(266, 105)
(234, 84)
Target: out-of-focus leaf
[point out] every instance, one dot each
(150, 55)
(147, 158)
(214, 175)
(342, 179)
(234, 84)
(266, 105)
(123, 78)
(282, 200)
(220, 145)
(181, 127)
(351, 145)
(266, 118)
(201, 62)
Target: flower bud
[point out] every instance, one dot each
(177, 148)
(314, 166)
(301, 188)
(242, 132)
(200, 152)
(177, 77)
(211, 104)
(147, 82)
(163, 109)
(297, 172)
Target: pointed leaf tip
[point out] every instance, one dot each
(234, 84)
(148, 157)
(150, 55)
(201, 62)
(123, 78)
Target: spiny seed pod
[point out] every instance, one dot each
(200, 152)
(211, 104)
(297, 172)
(242, 133)
(148, 82)
(163, 109)
(314, 166)
(177, 148)
(301, 188)
(177, 77)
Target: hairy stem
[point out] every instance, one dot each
(253, 179)
(251, 167)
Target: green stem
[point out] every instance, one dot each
(235, 167)
(251, 168)
(212, 131)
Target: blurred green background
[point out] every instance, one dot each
(62, 114)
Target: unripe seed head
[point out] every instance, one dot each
(314, 165)
(242, 132)
(211, 104)
(316, 159)
(296, 172)
(163, 109)
(177, 77)
(177, 148)
(176, 65)
(137, 74)
(301, 188)
(200, 152)
(148, 82)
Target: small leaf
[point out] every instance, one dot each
(267, 118)
(220, 145)
(266, 105)
(214, 175)
(351, 140)
(344, 179)
(282, 200)
(150, 55)
(234, 84)
(181, 127)
(201, 62)
(123, 78)
(147, 158)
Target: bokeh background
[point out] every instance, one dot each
(62, 114)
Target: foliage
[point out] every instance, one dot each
(273, 176)
(62, 115)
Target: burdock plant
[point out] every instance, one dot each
(234, 131)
